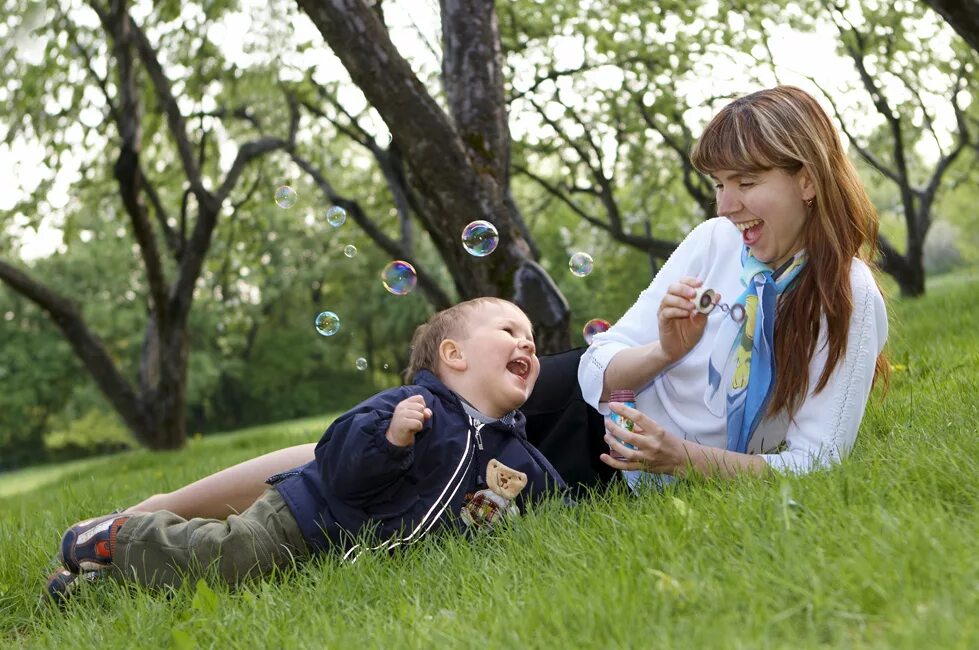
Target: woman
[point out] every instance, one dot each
(785, 388)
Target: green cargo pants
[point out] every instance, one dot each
(160, 548)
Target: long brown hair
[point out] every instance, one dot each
(785, 128)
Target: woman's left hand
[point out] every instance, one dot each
(655, 449)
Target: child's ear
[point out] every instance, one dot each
(450, 354)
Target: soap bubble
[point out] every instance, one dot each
(399, 277)
(593, 327)
(480, 238)
(349, 250)
(581, 264)
(327, 323)
(386, 366)
(285, 197)
(335, 216)
(361, 363)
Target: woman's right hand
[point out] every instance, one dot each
(680, 324)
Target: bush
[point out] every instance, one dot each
(97, 432)
(941, 252)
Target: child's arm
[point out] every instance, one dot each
(369, 448)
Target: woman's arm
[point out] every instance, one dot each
(638, 348)
(680, 327)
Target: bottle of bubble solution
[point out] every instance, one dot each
(628, 398)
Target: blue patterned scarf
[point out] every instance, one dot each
(743, 358)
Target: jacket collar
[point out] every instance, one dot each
(513, 420)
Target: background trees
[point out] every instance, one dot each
(567, 125)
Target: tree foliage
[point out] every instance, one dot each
(567, 124)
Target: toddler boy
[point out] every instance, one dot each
(448, 450)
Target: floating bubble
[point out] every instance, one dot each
(285, 197)
(386, 366)
(335, 216)
(593, 327)
(327, 323)
(399, 277)
(480, 238)
(581, 264)
(349, 250)
(361, 363)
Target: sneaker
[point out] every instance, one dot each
(62, 585)
(89, 544)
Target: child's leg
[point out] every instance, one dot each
(229, 491)
(160, 548)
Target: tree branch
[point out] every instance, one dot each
(692, 180)
(659, 247)
(128, 171)
(86, 345)
(433, 292)
(175, 119)
(864, 153)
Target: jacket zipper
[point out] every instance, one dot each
(353, 553)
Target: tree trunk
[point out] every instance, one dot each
(458, 166)
(962, 15)
(907, 270)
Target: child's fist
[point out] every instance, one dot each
(408, 419)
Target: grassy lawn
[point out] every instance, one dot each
(880, 552)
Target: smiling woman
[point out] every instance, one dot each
(786, 388)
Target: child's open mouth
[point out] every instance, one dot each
(519, 367)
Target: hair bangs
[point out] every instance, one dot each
(738, 139)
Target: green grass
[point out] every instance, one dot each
(879, 552)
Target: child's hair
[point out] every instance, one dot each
(448, 323)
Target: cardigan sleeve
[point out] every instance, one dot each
(825, 427)
(640, 324)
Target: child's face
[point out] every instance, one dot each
(502, 365)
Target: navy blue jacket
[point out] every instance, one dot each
(360, 481)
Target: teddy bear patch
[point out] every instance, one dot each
(484, 508)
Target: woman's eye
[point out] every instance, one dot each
(746, 184)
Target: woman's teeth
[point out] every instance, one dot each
(745, 225)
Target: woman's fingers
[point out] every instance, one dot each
(678, 301)
(638, 417)
(611, 461)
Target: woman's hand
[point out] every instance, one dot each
(680, 324)
(655, 449)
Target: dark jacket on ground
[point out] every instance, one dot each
(359, 481)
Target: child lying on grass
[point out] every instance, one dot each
(448, 450)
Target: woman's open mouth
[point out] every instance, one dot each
(750, 231)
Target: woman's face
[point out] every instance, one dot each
(767, 207)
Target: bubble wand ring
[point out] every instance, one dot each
(705, 300)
